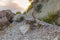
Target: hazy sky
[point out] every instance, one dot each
(19, 3)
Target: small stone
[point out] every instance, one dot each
(29, 18)
(24, 28)
(30, 21)
(56, 38)
(18, 18)
(32, 26)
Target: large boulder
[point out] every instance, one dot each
(5, 18)
(4, 23)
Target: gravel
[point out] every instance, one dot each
(52, 32)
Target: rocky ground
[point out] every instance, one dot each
(43, 33)
(27, 26)
(21, 31)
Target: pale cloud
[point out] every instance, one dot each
(15, 4)
(23, 3)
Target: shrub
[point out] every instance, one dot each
(51, 17)
(38, 7)
(18, 12)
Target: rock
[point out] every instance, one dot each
(24, 28)
(56, 38)
(27, 17)
(7, 13)
(18, 18)
(2, 14)
(4, 23)
(5, 18)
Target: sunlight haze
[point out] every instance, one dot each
(11, 3)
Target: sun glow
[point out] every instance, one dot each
(1, 3)
(11, 3)
(23, 3)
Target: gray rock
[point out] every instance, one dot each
(18, 17)
(5, 18)
(24, 28)
(4, 23)
(7, 13)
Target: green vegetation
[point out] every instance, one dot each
(51, 17)
(38, 7)
(29, 7)
(18, 12)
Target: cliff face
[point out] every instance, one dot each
(41, 9)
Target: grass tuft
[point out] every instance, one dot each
(18, 12)
(51, 17)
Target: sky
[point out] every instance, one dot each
(22, 3)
